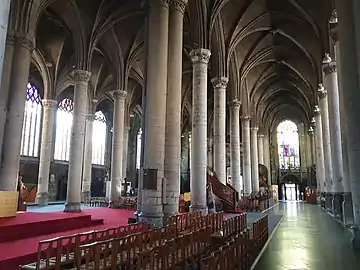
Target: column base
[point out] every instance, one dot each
(328, 201)
(72, 207)
(347, 209)
(42, 199)
(114, 204)
(86, 196)
(356, 239)
(322, 200)
(152, 219)
(337, 205)
(203, 209)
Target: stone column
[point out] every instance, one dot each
(15, 114)
(198, 169)
(155, 117)
(4, 19)
(323, 103)
(173, 108)
(247, 155)
(267, 156)
(117, 146)
(312, 146)
(331, 85)
(254, 159)
(210, 154)
(320, 163)
(73, 198)
(219, 85)
(87, 166)
(126, 153)
(235, 146)
(47, 142)
(5, 84)
(261, 149)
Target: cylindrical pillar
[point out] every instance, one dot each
(126, 154)
(173, 108)
(254, 160)
(331, 85)
(320, 163)
(323, 104)
(4, 19)
(219, 85)
(73, 198)
(235, 163)
(261, 149)
(312, 146)
(155, 117)
(5, 84)
(267, 157)
(117, 146)
(87, 166)
(198, 169)
(47, 142)
(247, 155)
(10, 158)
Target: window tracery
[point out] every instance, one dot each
(288, 145)
(30, 140)
(64, 120)
(99, 139)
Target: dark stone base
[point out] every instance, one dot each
(199, 208)
(347, 209)
(72, 207)
(328, 201)
(337, 205)
(42, 199)
(154, 220)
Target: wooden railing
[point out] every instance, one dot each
(226, 193)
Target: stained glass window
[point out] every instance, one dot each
(288, 145)
(32, 123)
(64, 119)
(99, 139)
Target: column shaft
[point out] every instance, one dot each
(126, 153)
(117, 146)
(155, 117)
(331, 85)
(254, 159)
(312, 147)
(173, 108)
(198, 169)
(219, 85)
(323, 103)
(73, 198)
(267, 156)
(87, 168)
(320, 163)
(247, 155)
(235, 146)
(261, 149)
(47, 142)
(10, 158)
(4, 19)
(5, 85)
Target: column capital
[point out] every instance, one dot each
(127, 129)
(219, 82)
(329, 68)
(255, 129)
(49, 103)
(24, 42)
(235, 104)
(311, 131)
(82, 75)
(245, 117)
(261, 136)
(322, 93)
(200, 56)
(119, 94)
(10, 39)
(179, 5)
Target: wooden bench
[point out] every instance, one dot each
(59, 252)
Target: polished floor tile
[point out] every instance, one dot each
(308, 239)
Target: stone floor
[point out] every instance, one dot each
(308, 239)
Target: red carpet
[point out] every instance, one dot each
(14, 253)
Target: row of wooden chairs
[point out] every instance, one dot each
(59, 252)
(139, 251)
(233, 254)
(234, 225)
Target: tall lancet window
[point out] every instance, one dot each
(64, 119)
(288, 145)
(99, 139)
(32, 123)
